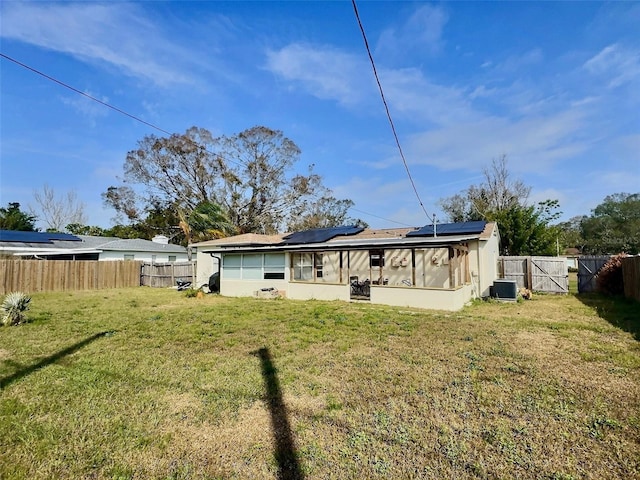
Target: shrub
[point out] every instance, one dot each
(609, 279)
(14, 306)
(190, 292)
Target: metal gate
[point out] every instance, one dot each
(588, 267)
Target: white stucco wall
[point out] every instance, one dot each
(318, 291)
(437, 299)
(206, 266)
(486, 264)
(248, 288)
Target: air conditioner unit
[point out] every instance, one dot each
(506, 290)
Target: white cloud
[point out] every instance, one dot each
(87, 107)
(324, 72)
(118, 35)
(532, 144)
(618, 64)
(330, 74)
(420, 33)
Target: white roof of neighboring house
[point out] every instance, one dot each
(87, 244)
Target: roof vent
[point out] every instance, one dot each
(160, 239)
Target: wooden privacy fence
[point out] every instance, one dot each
(540, 274)
(631, 277)
(166, 274)
(59, 275)
(588, 267)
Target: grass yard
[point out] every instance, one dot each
(148, 384)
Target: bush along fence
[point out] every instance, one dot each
(590, 265)
(66, 275)
(540, 274)
(166, 274)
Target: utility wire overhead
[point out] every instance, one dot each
(82, 93)
(384, 101)
(138, 119)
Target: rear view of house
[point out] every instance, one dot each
(437, 268)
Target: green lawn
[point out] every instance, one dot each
(146, 383)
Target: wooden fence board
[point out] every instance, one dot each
(164, 275)
(549, 274)
(588, 267)
(631, 277)
(541, 274)
(65, 275)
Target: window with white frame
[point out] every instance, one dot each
(254, 266)
(307, 266)
(303, 266)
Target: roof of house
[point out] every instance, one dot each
(47, 242)
(445, 234)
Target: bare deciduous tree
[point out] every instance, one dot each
(250, 175)
(499, 192)
(58, 211)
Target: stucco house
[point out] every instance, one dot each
(64, 246)
(438, 268)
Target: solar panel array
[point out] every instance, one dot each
(35, 237)
(319, 235)
(443, 229)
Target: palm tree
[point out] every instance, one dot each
(206, 222)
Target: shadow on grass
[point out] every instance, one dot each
(6, 381)
(286, 454)
(620, 312)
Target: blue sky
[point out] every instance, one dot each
(554, 86)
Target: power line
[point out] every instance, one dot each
(381, 218)
(119, 110)
(384, 101)
(48, 77)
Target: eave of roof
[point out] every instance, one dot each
(352, 244)
(368, 238)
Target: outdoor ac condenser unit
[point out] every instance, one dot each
(505, 290)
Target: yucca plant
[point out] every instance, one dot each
(14, 306)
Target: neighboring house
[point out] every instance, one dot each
(572, 255)
(64, 246)
(410, 267)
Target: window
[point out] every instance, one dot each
(129, 256)
(153, 258)
(172, 258)
(254, 266)
(318, 264)
(307, 266)
(231, 266)
(376, 258)
(303, 266)
(274, 266)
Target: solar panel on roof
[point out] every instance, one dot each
(35, 237)
(319, 235)
(62, 236)
(24, 237)
(459, 228)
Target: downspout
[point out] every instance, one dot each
(219, 267)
